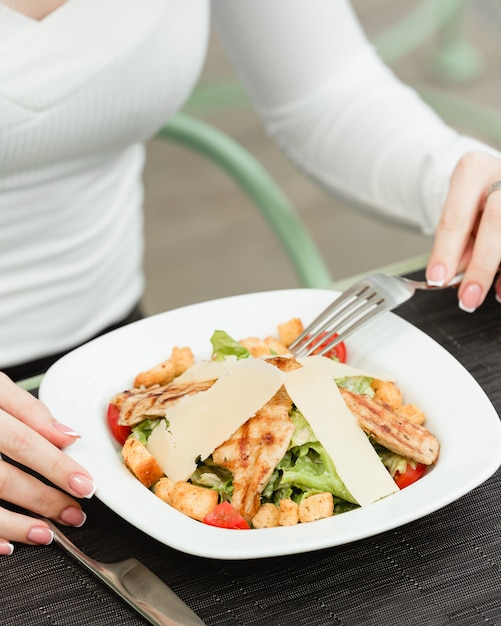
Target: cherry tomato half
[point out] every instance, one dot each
(117, 430)
(338, 352)
(226, 516)
(410, 475)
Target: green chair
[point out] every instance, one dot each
(455, 59)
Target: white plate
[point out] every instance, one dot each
(78, 387)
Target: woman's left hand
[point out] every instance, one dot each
(30, 436)
(468, 236)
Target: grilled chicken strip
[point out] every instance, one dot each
(393, 431)
(254, 450)
(137, 405)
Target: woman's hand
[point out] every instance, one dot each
(468, 236)
(30, 436)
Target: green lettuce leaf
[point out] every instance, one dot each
(223, 345)
(303, 432)
(309, 469)
(357, 384)
(393, 462)
(143, 430)
(215, 477)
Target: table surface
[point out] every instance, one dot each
(442, 569)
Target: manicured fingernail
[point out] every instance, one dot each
(73, 516)
(498, 296)
(470, 298)
(66, 430)
(40, 534)
(82, 485)
(436, 275)
(6, 548)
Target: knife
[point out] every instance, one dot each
(137, 585)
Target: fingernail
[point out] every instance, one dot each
(41, 535)
(435, 276)
(6, 548)
(498, 297)
(66, 430)
(470, 298)
(73, 516)
(82, 485)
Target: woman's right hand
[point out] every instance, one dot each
(30, 436)
(468, 236)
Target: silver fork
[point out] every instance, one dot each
(361, 303)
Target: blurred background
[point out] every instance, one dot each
(204, 237)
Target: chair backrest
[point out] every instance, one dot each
(284, 221)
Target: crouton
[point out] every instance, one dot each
(163, 489)
(194, 501)
(164, 373)
(256, 347)
(412, 412)
(290, 331)
(140, 462)
(161, 374)
(387, 393)
(275, 346)
(316, 507)
(266, 516)
(182, 359)
(288, 512)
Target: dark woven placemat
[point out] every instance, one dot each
(442, 569)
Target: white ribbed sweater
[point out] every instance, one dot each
(81, 90)
(79, 93)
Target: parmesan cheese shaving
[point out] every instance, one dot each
(198, 424)
(207, 370)
(337, 369)
(316, 395)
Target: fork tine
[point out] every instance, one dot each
(331, 326)
(362, 302)
(343, 334)
(358, 309)
(325, 317)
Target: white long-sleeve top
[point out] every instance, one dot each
(81, 90)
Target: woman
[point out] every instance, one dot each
(83, 83)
